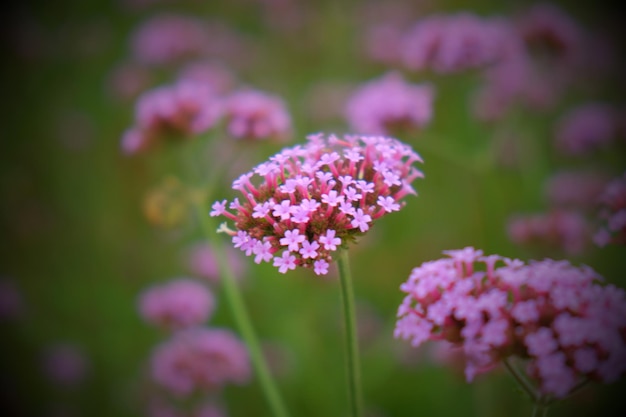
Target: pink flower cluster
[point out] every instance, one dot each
(169, 38)
(550, 313)
(456, 42)
(587, 128)
(177, 304)
(315, 198)
(181, 109)
(612, 213)
(252, 114)
(189, 107)
(200, 359)
(576, 189)
(389, 104)
(560, 229)
(202, 263)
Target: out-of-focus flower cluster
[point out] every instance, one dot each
(200, 360)
(554, 315)
(177, 304)
(314, 198)
(388, 105)
(561, 229)
(612, 213)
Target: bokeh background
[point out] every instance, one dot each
(85, 229)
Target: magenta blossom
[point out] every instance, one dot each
(200, 359)
(453, 43)
(612, 213)
(389, 103)
(586, 128)
(182, 109)
(177, 304)
(576, 189)
(554, 315)
(252, 114)
(560, 229)
(202, 263)
(309, 200)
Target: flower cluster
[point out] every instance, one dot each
(580, 189)
(457, 42)
(586, 128)
(66, 364)
(252, 114)
(314, 198)
(612, 213)
(200, 359)
(202, 262)
(389, 104)
(177, 304)
(554, 315)
(565, 230)
(181, 109)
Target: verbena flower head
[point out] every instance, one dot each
(200, 360)
(586, 128)
(612, 213)
(65, 364)
(255, 115)
(576, 189)
(210, 72)
(561, 229)
(182, 109)
(456, 42)
(202, 262)
(309, 200)
(177, 304)
(389, 103)
(169, 38)
(555, 315)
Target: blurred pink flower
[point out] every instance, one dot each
(200, 359)
(575, 189)
(612, 213)
(317, 197)
(168, 38)
(560, 229)
(202, 263)
(455, 42)
(157, 407)
(208, 72)
(255, 115)
(65, 364)
(127, 80)
(550, 313)
(389, 103)
(177, 304)
(586, 128)
(181, 109)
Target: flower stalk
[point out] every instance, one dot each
(242, 319)
(352, 348)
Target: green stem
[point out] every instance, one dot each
(521, 381)
(353, 367)
(540, 410)
(242, 320)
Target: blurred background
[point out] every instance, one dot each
(87, 225)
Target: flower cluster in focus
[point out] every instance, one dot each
(309, 200)
(557, 316)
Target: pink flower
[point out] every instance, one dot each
(456, 42)
(384, 105)
(65, 364)
(255, 115)
(177, 304)
(555, 315)
(210, 73)
(576, 189)
(322, 194)
(564, 230)
(586, 128)
(183, 109)
(200, 360)
(612, 213)
(201, 262)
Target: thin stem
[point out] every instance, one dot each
(521, 381)
(540, 410)
(353, 366)
(242, 320)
